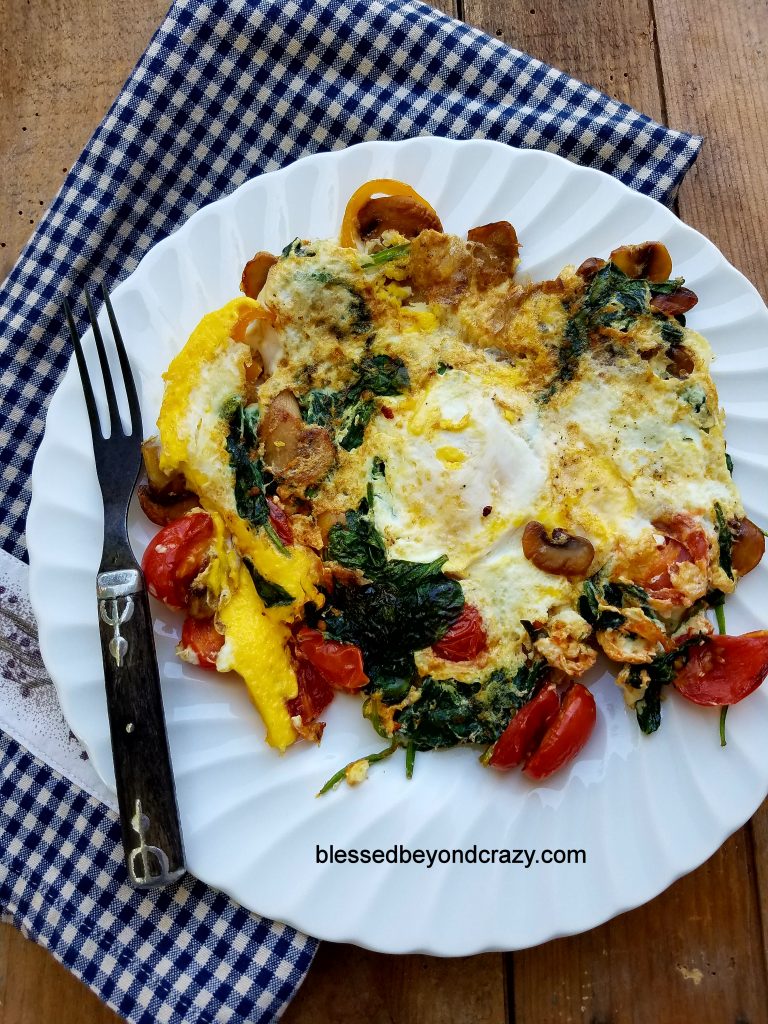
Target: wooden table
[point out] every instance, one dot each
(698, 951)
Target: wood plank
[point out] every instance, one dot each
(607, 43)
(61, 64)
(35, 989)
(713, 56)
(692, 954)
(348, 985)
(701, 942)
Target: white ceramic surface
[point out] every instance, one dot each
(646, 810)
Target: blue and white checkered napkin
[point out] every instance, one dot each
(227, 90)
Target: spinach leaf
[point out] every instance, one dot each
(349, 411)
(359, 418)
(725, 541)
(404, 606)
(445, 714)
(357, 544)
(378, 467)
(390, 618)
(672, 333)
(611, 300)
(272, 594)
(381, 375)
(448, 712)
(662, 670)
(729, 463)
(674, 284)
(242, 442)
(619, 595)
(318, 406)
(443, 367)
(648, 710)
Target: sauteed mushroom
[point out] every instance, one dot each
(649, 259)
(562, 554)
(678, 302)
(748, 546)
(396, 213)
(590, 267)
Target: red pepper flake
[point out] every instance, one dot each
(487, 510)
(387, 412)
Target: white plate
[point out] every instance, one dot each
(646, 810)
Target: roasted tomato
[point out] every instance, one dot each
(314, 694)
(566, 734)
(524, 732)
(724, 669)
(341, 665)
(280, 521)
(175, 556)
(200, 642)
(465, 639)
(684, 541)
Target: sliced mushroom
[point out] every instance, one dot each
(280, 431)
(314, 459)
(681, 364)
(590, 267)
(649, 259)
(162, 510)
(675, 304)
(396, 213)
(748, 546)
(500, 237)
(300, 455)
(255, 273)
(561, 554)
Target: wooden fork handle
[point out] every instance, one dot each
(152, 840)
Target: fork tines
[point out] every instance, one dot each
(114, 421)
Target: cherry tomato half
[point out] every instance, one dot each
(200, 642)
(341, 665)
(565, 735)
(526, 729)
(175, 556)
(280, 521)
(465, 639)
(314, 693)
(724, 669)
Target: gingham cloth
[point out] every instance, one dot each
(227, 90)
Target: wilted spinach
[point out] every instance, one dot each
(448, 712)
(349, 411)
(401, 607)
(242, 446)
(611, 300)
(661, 671)
(272, 594)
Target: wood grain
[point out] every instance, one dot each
(714, 55)
(35, 989)
(353, 986)
(695, 953)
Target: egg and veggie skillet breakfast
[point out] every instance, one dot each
(392, 467)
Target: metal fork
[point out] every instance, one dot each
(152, 842)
